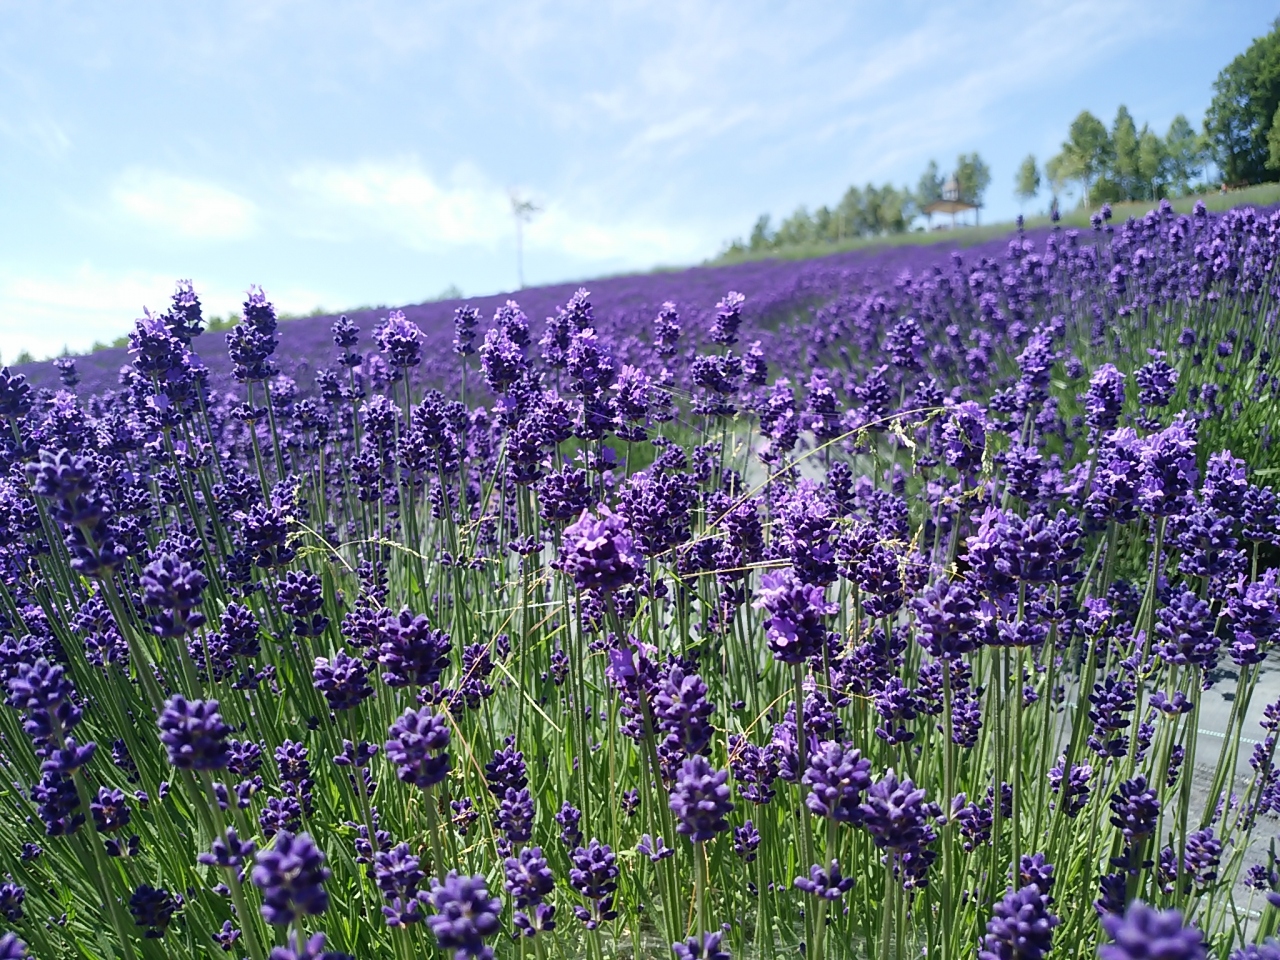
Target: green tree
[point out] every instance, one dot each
(851, 214)
(1153, 164)
(1185, 155)
(796, 230)
(892, 209)
(1273, 143)
(1246, 96)
(1085, 156)
(824, 224)
(761, 234)
(1124, 156)
(929, 188)
(972, 177)
(1026, 183)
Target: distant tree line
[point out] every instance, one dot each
(870, 211)
(1240, 137)
(1239, 141)
(1124, 162)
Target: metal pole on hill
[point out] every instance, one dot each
(523, 210)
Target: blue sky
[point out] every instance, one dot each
(353, 153)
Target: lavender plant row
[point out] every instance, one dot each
(870, 614)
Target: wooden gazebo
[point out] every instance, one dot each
(950, 203)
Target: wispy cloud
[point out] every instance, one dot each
(183, 207)
(401, 199)
(44, 313)
(42, 135)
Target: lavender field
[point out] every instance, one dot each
(869, 606)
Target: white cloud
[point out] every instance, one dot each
(43, 313)
(43, 136)
(401, 199)
(183, 207)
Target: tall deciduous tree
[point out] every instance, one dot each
(1246, 96)
(972, 177)
(930, 187)
(1124, 156)
(761, 233)
(1085, 156)
(1185, 155)
(1026, 184)
(1153, 165)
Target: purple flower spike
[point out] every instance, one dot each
(465, 915)
(1147, 934)
(1104, 399)
(700, 800)
(828, 884)
(724, 329)
(837, 776)
(708, 949)
(795, 628)
(312, 949)
(418, 745)
(344, 680)
(599, 553)
(412, 653)
(529, 879)
(899, 821)
(401, 340)
(1020, 928)
(1269, 949)
(228, 851)
(594, 874)
(175, 587)
(152, 909)
(194, 734)
(291, 876)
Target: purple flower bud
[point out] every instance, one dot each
(594, 874)
(1020, 928)
(194, 734)
(465, 916)
(401, 340)
(795, 627)
(291, 876)
(228, 851)
(899, 821)
(838, 777)
(828, 884)
(1147, 934)
(700, 800)
(313, 949)
(529, 879)
(709, 948)
(152, 908)
(175, 587)
(1104, 399)
(724, 330)
(344, 680)
(418, 744)
(412, 653)
(599, 554)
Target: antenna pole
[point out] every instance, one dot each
(523, 210)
